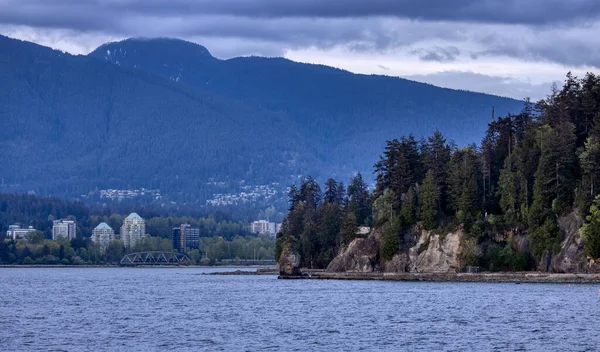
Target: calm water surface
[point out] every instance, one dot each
(127, 309)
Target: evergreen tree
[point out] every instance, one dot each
(348, 230)
(331, 191)
(429, 199)
(408, 212)
(390, 242)
(555, 176)
(293, 197)
(590, 165)
(359, 200)
(509, 189)
(436, 160)
(464, 185)
(591, 230)
(329, 226)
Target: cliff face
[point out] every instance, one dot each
(432, 253)
(438, 254)
(571, 258)
(362, 255)
(443, 253)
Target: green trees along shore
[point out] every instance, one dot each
(222, 238)
(530, 169)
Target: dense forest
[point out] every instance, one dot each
(221, 238)
(529, 170)
(164, 114)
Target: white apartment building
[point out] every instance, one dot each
(264, 226)
(134, 227)
(64, 228)
(103, 234)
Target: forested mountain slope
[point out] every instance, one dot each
(344, 116)
(165, 114)
(70, 124)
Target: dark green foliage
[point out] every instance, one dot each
(429, 199)
(591, 230)
(544, 237)
(348, 230)
(498, 258)
(390, 242)
(436, 158)
(464, 185)
(408, 212)
(359, 200)
(590, 166)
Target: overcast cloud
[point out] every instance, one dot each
(513, 47)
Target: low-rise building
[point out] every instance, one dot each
(103, 235)
(265, 227)
(16, 231)
(64, 228)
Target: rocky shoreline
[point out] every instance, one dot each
(505, 277)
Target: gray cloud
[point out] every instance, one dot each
(439, 54)
(359, 25)
(497, 85)
(77, 12)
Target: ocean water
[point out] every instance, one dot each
(133, 309)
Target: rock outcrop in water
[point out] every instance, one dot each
(289, 262)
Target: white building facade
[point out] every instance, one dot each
(134, 227)
(265, 227)
(103, 235)
(15, 231)
(64, 229)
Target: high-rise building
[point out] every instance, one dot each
(134, 227)
(103, 234)
(265, 227)
(15, 231)
(186, 237)
(64, 228)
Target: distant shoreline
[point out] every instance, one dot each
(499, 277)
(137, 266)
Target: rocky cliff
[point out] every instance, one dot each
(432, 253)
(571, 258)
(443, 253)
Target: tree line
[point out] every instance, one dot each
(529, 170)
(37, 211)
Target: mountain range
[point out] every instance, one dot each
(165, 114)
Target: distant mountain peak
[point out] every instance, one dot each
(163, 45)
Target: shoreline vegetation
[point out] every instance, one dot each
(524, 199)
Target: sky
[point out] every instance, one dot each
(514, 48)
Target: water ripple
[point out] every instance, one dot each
(178, 309)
